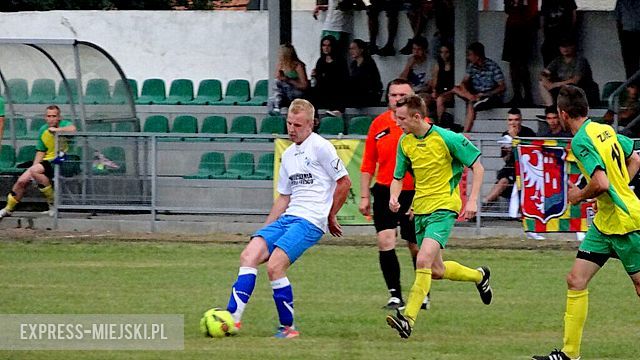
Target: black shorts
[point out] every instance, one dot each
(518, 44)
(391, 7)
(48, 169)
(384, 219)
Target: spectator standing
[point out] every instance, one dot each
(338, 23)
(418, 14)
(442, 80)
(365, 86)
(519, 38)
(628, 20)
(418, 69)
(391, 8)
(445, 20)
(483, 86)
(330, 75)
(554, 127)
(291, 79)
(567, 69)
(558, 19)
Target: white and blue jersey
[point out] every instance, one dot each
(308, 173)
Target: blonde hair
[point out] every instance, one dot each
(302, 105)
(288, 57)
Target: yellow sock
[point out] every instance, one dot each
(574, 319)
(458, 272)
(11, 203)
(47, 191)
(419, 290)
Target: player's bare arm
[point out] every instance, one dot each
(278, 208)
(633, 164)
(471, 208)
(339, 197)
(595, 187)
(396, 188)
(365, 195)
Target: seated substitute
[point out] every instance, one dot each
(41, 171)
(507, 175)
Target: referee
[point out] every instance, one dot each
(380, 154)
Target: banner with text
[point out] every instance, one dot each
(350, 152)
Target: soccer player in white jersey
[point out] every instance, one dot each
(313, 185)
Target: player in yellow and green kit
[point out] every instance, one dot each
(608, 162)
(436, 157)
(41, 170)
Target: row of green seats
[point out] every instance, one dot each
(181, 92)
(241, 166)
(9, 160)
(209, 93)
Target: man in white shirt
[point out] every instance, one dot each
(313, 185)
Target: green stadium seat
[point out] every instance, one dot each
(43, 91)
(180, 92)
(7, 158)
(125, 126)
(185, 124)
(273, 125)
(20, 127)
(34, 127)
(237, 92)
(260, 94)
(209, 91)
(240, 166)
(607, 89)
(99, 127)
(211, 166)
(264, 168)
(121, 93)
(153, 92)
(19, 90)
(156, 123)
(331, 126)
(242, 125)
(359, 125)
(25, 157)
(115, 154)
(214, 124)
(97, 92)
(63, 97)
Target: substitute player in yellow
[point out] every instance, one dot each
(436, 157)
(41, 171)
(608, 163)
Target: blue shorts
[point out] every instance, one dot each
(294, 235)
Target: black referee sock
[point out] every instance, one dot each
(391, 271)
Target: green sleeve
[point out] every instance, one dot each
(402, 161)
(1, 106)
(460, 147)
(586, 153)
(626, 144)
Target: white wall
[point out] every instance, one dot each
(233, 44)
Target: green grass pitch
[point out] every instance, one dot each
(338, 291)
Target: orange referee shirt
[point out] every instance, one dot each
(380, 150)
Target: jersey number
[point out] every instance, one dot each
(615, 154)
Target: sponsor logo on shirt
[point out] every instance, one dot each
(301, 179)
(336, 164)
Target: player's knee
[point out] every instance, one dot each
(249, 257)
(275, 270)
(576, 282)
